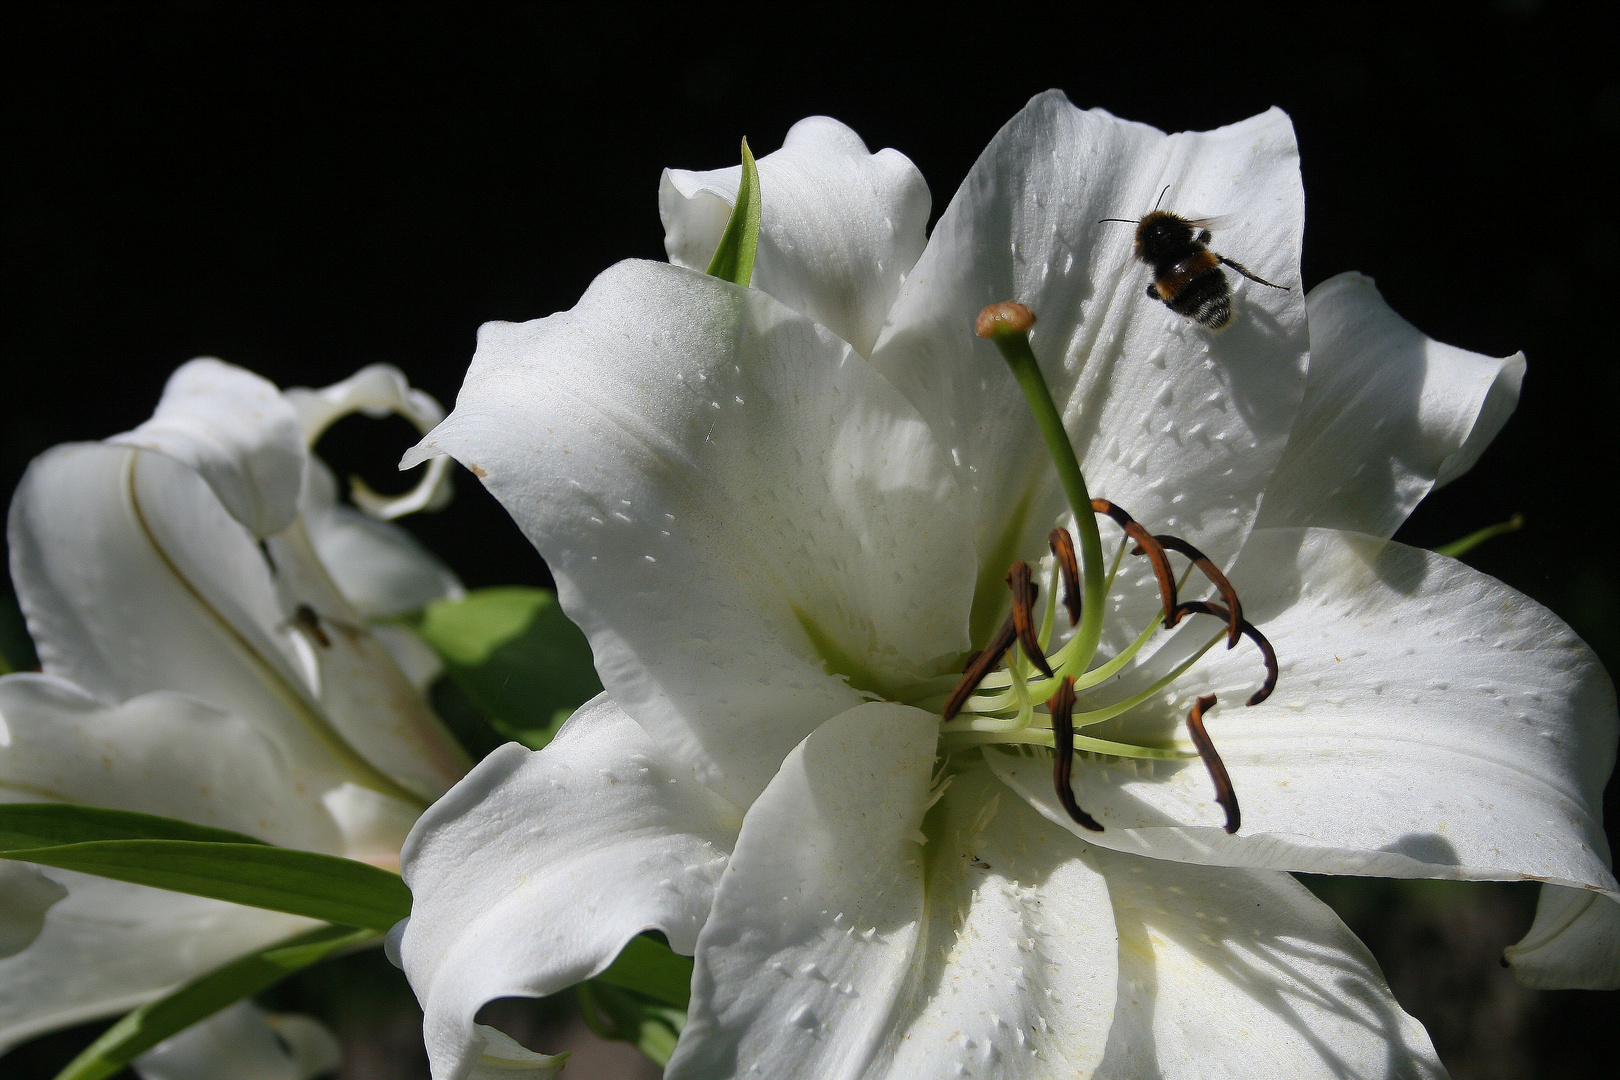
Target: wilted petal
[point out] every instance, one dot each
(377, 390)
(533, 872)
(160, 753)
(732, 503)
(244, 1042)
(1178, 425)
(840, 946)
(1574, 944)
(1429, 722)
(379, 567)
(111, 946)
(1228, 973)
(237, 431)
(839, 227)
(25, 896)
(134, 580)
(1388, 414)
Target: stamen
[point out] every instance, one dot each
(1206, 607)
(979, 667)
(1146, 544)
(1023, 604)
(1224, 794)
(1062, 706)
(1216, 578)
(1063, 551)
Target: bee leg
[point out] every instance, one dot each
(1203, 236)
(1153, 292)
(1244, 270)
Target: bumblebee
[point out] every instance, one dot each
(1186, 274)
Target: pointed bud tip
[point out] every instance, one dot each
(1003, 320)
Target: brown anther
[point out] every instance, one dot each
(1062, 706)
(1216, 578)
(982, 663)
(1224, 794)
(1023, 615)
(306, 619)
(1146, 544)
(1245, 627)
(1063, 551)
(1000, 320)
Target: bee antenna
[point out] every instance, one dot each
(1160, 199)
(1126, 220)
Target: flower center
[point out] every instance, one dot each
(990, 706)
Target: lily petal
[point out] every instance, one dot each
(244, 1042)
(839, 227)
(842, 947)
(110, 946)
(1233, 974)
(235, 429)
(160, 753)
(1428, 722)
(377, 390)
(379, 567)
(1179, 426)
(25, 896)
(1574, 944)
(533, 872)
(135, 579)
(742, 516)
(1389, 414)
(504, 1057)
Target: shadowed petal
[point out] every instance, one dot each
(244, 1042)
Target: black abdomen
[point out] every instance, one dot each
(1206, 299)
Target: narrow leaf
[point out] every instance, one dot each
(205, 995)
(626, 1016)
(30, 825)
(653, 968)
(734, 258)
(516, 657)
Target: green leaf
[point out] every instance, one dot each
(626, 1016)
(515, 655)
(734, 258)
(192, 859)
(205, 995)
(651, 967)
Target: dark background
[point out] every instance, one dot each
(306, 188)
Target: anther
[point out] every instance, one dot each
(1245, 627)
(982, 664)
(1216, 578)
(1224, 794)
(1023, 615)
(1062, 706)
(1146, 544)
(1063, 551)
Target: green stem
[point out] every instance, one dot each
(1026, 369)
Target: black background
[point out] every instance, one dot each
(306, 188)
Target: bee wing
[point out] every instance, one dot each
(1214, 223)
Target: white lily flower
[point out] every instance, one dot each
(783, 531)
(187, 675)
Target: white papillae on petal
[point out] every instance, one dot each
(1574, 944)
(110, 946)
(161, 753)
(1229, 974)
(379, 567)
(237, 431)
(1429, 722)
(505, 1058)
(533, 872)
(244, 1042)
(377, 390)
(1178, 425)
(25, 896)
(841, 946)
(839, 227)
(1388, 415)
(730, 507)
